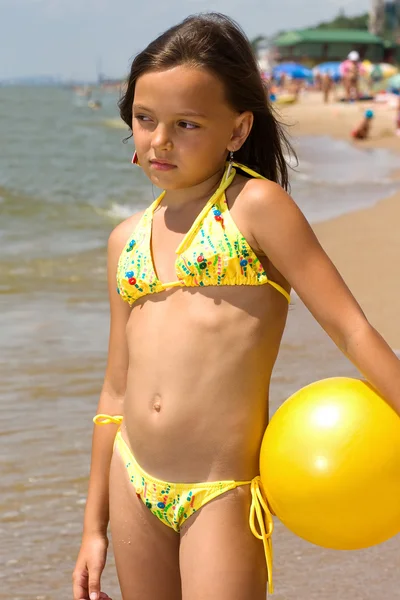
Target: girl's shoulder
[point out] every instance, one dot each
(266, 211)
(255, 195)
(123, 231)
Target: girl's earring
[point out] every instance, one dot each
(135, 160)
(230, 164)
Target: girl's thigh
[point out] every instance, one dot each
(220, 559)
(146, 551)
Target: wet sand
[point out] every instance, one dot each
(364, 245)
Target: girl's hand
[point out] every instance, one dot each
(89, 567)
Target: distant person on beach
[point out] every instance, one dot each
(282, 81)
(350, 70)
(199, 290)
(327, 85)
(362, 131)
(317, 80)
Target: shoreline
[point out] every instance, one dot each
(363, 244)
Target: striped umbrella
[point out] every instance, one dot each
(379, 71)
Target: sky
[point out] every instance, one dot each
(73, 38)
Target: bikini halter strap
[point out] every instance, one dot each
(248, 170)
(227, 178)
(224, 184)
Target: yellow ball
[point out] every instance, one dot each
(330, 465)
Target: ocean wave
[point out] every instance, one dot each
(310, 178)
(115, 124)
(116, 211)
(52, 274)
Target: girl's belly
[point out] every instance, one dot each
(196, 405)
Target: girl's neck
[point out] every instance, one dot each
(177, 199)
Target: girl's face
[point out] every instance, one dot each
(183, 126)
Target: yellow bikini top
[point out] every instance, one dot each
(213, 252)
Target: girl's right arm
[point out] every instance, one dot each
(92, 556)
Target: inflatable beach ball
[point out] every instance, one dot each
(330, 465)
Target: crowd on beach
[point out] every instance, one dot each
(351, 80)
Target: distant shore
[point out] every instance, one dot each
(364, 245)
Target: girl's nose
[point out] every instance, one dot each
(161, 138)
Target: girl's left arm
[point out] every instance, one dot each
(284, 235)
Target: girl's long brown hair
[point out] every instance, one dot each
(215, 42)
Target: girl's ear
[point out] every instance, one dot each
(241, 130)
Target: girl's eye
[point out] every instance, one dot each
(143, 118)
(186, 125)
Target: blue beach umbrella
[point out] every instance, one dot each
(293, 70)
(331, 68)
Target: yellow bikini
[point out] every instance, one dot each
(213, 252)
(174, 503)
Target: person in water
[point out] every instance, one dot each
(199, 287)
(362, 131)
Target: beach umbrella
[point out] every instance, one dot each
(379, 71)
(388, 70)
(393, 84)
(330, 68)
(376, 73)
(368, 66)
(293, 70)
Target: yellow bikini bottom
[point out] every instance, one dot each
(173, 503)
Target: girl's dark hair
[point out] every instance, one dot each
(215, 42)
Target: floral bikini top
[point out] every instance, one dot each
(213, 252)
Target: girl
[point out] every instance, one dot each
(199, 287)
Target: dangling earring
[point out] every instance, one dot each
(230, 164)
(135, 160)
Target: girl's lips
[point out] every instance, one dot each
(162, 166)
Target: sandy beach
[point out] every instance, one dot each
(364, 245)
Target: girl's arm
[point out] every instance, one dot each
(284, 235)
(92, 555)
(111, 397)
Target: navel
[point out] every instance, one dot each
(156, 403)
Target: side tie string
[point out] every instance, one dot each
(107, 419)
(260, 512)
(265, 524)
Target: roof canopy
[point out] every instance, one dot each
(326, 36)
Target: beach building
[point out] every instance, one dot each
(314, 46)
(392, 52)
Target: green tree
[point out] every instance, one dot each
(343, 22)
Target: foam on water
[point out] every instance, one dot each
(119, 212)
(335, 177)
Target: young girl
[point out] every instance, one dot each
(199, 288)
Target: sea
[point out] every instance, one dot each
(65, 181)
